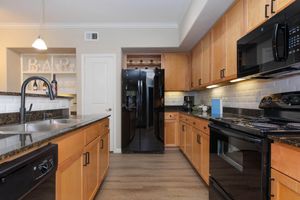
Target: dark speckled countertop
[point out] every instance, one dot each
(293, 140)
(10, 144)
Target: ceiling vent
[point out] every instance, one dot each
(91, 36)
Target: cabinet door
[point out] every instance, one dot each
(189, 141)
(206, 59)
(104, 156)
(182, 142)
(281, 4)
(171, 133)
(91, 170)
(205, 157)
(196, 65)
(284, 187)
(234, 31)
(69, 179)
(196, 157)
(177, 71)
(257, 12)
(218, 50)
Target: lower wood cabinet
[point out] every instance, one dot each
(83, 157)
(284, 187)
(285, 172)
(90, 169)
(196, 156)
(182, 137)
(104, 156)
(189, 141)
(69, 179)
(171, 129)
(205, 157)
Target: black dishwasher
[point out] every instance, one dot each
(31, 176)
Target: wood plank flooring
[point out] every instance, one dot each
(166, 176)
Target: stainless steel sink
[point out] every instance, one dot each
(38, 126)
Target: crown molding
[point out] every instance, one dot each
(89, 25)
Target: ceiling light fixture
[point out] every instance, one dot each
(237, 80)
(39, 43)
(212, 86)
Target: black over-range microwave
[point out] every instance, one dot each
(272, 49)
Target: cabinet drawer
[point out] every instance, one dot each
(69, 145)
(171, 115)
(285, 158)
(92, 132)
(104, 126)
(201, 124)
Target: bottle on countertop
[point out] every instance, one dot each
(54, 85)
(35, 86)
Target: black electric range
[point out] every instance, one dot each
(240, 148)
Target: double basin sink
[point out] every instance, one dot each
(38, 126)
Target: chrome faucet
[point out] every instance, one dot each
(23, 91)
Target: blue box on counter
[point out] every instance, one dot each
(216, 107)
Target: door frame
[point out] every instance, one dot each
(113, 146)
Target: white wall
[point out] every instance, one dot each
(111, 41)
(249, 93)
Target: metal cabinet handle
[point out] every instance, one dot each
(266, 11)
(88, 157)
(272, 7)
(204, 127)
(198, 139)
(85, 159)
(199, 81)
(221, 74)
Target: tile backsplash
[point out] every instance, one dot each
(11, 104)
(248, 94)
(176, 98)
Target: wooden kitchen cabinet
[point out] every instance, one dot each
(256, 13)
(285, 172)
(284, 187)
(196, 156)
(281, 4)
(205, 157)
(235, 29)
(206, 60)
(182, 132)
(104, 156)
(196, 66)
(69, 179)
(90, 169)
(218, 35)
(177, 71)
(189, 141)
(171, 129)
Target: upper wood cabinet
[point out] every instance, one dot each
(258, 11)
(218, 50)
(235, 29)
(281, 4)
(177, 71)
(196, 66)
(206, 59)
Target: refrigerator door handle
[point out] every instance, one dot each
(138, 102)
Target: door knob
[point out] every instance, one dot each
(108, 110)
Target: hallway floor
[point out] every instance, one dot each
(166, 176)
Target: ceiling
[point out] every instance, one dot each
(160, 13)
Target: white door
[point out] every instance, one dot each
(98, 87)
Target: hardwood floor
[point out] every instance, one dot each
(166, 176)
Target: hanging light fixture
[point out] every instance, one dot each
(39, 43)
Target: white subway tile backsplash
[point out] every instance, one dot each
(249, 93)
(10, 104)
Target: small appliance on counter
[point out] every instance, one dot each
(216, 107)
(188, 103)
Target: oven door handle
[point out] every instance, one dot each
(235, 134)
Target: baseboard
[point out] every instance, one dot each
(117, 150)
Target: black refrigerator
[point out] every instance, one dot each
(143, 111)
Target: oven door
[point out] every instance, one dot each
(238, 163)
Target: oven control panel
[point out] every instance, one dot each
(294, 40)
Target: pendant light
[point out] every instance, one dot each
(39, 43)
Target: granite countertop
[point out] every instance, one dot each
(293, 140)
(32, 95)
(10, 144)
